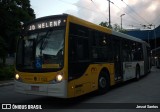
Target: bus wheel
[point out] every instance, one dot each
(137, 73)
(103, 83)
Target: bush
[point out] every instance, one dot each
(6, 72)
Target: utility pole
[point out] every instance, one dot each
(147, 26)
(121, 19)
(155, 38)
(109, 12)
(148, 37)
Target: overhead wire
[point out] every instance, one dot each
(100, 11)
(77, 5)
(84, 8)
(128, 15)
(136, 12)
(156, 20)
(122, 11)
(98, 8)
(102, 14)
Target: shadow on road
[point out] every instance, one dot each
(59, 103)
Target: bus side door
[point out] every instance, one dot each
(117, 58)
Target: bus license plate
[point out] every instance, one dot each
(34, 88)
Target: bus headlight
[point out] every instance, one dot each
(59, 78)
(17, 76)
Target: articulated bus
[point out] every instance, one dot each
(64, 56)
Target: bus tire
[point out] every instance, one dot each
(103, 82)
(138, 73)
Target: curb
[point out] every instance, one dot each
(7, 83)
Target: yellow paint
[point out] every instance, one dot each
(50, 66)
(89, 80)
(88, 24)
(39, 78)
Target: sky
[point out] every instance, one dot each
(137, 12)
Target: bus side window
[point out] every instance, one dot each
(72, 49)
(82, 49)
(126, 51)
(139, 52)
(101, 47)
(94, 44)
(135, 51)
(78, 43)
(78, 51)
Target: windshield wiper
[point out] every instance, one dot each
(43, 37)
(43, 41)
(43, 44)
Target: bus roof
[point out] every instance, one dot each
(127, 37)
(104, 29)
(90, 25)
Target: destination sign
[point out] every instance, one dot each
(46, 24)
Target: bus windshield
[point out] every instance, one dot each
(41, 50)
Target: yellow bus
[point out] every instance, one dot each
(64, 56)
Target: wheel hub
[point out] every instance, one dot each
(102, 82)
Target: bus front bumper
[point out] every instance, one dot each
(56, 90)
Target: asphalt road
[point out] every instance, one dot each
(145, 91)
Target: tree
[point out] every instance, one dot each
(3, 50)
(115, 27)
(12, 13)
(104, 24)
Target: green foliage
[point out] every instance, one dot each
(115, 27)
(12, 13)
(105, 24)
(3, 50)
(6, 72)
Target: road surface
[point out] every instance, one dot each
(145, 91)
